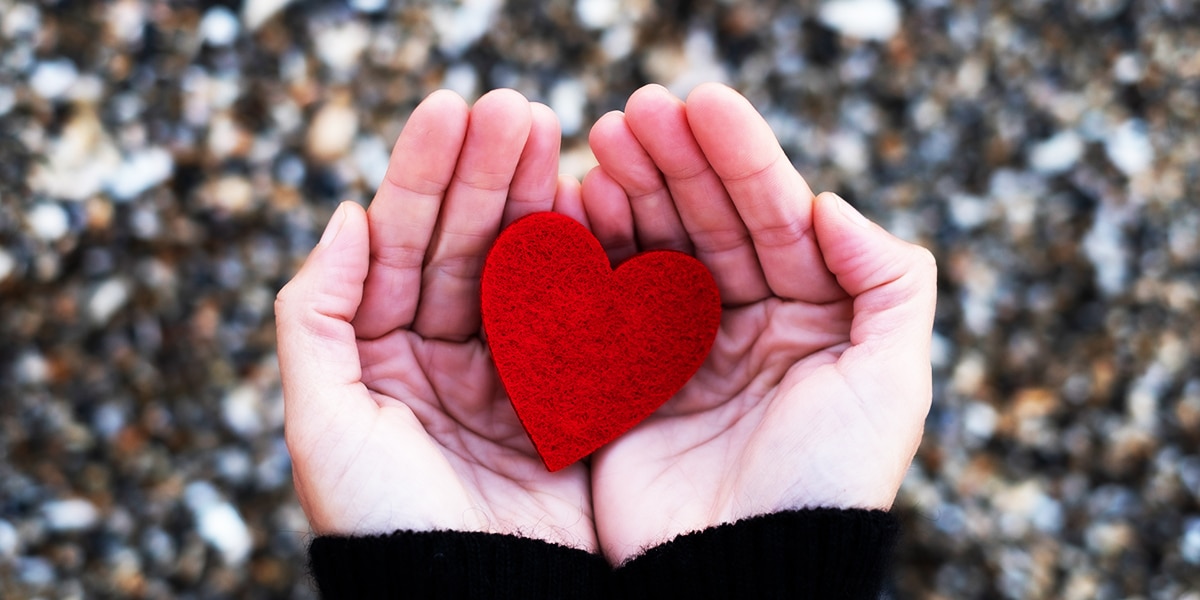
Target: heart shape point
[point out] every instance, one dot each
(586, 352)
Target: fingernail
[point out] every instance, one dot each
(851, 213)
(335, 225)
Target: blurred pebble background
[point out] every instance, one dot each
(166, 165)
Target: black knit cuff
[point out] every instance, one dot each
(815, 553)
(453, 564)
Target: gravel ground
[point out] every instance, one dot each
(166, 165)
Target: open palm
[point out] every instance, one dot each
(817, 386)
(395, 417)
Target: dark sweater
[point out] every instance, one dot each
(817, 553)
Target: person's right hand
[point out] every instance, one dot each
(816, 389)
(395, 418)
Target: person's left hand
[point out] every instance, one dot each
(395, 418)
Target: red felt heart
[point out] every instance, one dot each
(586, 352)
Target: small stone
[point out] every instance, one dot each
(597, 14)
(461, 79)
(257, 12)
(219, 26)
(368, 6)
(1129, 148)
(106, 299)
(371, 158)
(460, 25)
(1104, 245)
(849, 152)
(1189, 542)
(568, 98)
(48, 221)
(8, 99)
(332, 131)
(342, 46)
(8, 265)
(127, 20)
(232, 194)
(863, 19)
(218, 522)
(74, 514)
(969, 211)
(1056, 154)
(1127, 68)
(979, 421)
(140, 172)
(19, 20)
(10, 540)
(35, 571)
(51, 79)
(240, 410)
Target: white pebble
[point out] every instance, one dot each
(218, 522)
(1105, 247)
(49, 221)
(340, 47)
(240, 410)
(848, 151)
(1129, 148)
(127, 20)
(1056, 154)
(36, 571)
(568, 99)
(106, 299)
(1189, 543)
(32, 368)
(140, 172)
(257, 12)
(1127, 68)
(8, 99)
(52, 78)
(863, 19)
(368, 6)
(371, 158)
(8, 264)
(10, 540)
(969, 211)
(461, 79)
(458, 27)
(618, 41)
(75, 514)
(979, 421)
(597, 14)
(20, 19)
(219, 26)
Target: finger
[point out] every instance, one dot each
(405, 210)
(894, 286)
(771, 198)
(499, 126)
(659, 122)
(610, 215)
(317, 345)
(654, 217)
(569, 200)
(536, 180)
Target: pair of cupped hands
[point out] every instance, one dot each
(814, 394)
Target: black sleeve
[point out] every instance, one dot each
(454, 564)
(819, 553)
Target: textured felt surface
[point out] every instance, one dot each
(586, 352)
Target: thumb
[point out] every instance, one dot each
(318, 350)
(893, 284)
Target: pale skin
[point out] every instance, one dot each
(815, 392)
